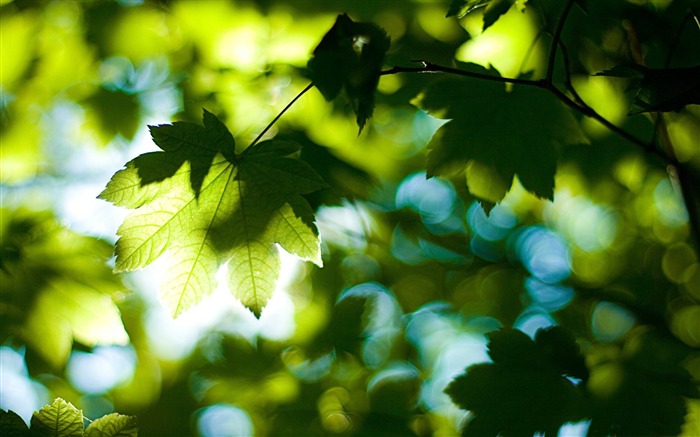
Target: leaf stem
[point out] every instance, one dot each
(274, 120)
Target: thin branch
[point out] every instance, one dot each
(585, 109)
(581, 106)
(274, 120)
(429, 67)
(555, 40)
(690, 16)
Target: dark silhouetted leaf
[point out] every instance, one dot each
(495, 135)
(558, 346)
(350, 57)
(11, 425)
(660, 90)
(522, 391)
(221, 209)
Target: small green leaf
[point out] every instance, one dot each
(350, 57)
(516, 133)
(60, 419)
(11, 425)
(206, 207)
(461, 8)
(492, 12)
(113, 425)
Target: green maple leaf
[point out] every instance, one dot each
(206, 207)
(60, 419)
(524, 390)
(495, 134)
(350, 57)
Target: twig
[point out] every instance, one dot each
(274, 120)
(577, 105)
(555, 41)
(429, 67)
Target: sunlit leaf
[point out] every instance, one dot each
(350, 57)
(60, 419)
(522, 391)
(113, 425)
(207, 207)
(509, 133)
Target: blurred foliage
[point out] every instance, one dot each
(56, 287)
(451, 282)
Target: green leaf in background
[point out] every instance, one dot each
(11, 425)
(523, 391)
(507, 134)
(60, 419)
(350, 57)
(207, 207)
(493, 9)
(113, 425)
(63, 278)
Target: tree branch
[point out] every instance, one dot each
(555, 41)
(577, 104)
(429, 67)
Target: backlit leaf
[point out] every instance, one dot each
(60, 419)
(207, 207)
(508, 133)
(113, 425)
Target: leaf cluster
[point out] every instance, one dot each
(62, 419)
